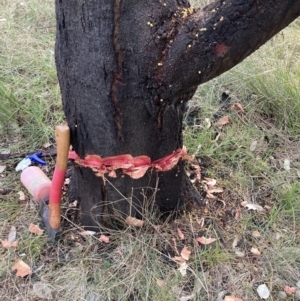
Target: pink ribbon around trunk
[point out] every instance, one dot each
(135, 167)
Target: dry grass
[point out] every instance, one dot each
(135, 262)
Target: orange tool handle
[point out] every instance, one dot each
(62, 137)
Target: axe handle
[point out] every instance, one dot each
(62, 137)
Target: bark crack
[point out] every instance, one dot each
(118, 78)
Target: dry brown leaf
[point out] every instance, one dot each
(21, 195)
(205, 241)
(255, 251)
(210, 195)
(200, 221)
(22, 268)
(7, 245)
(175, 245)
(179, 259)
(237, 107)
(2, 168)
(255, 233)
(237, 213)
(244, 203)
(290, 290)
(232, 298)
(119, 252)
(160, 282)
(251, 206)
(185, 253)
(104, 238)
(253, 146)
(222, 121)
(132, 221)
(215, 190)
(35, 229)
(87, 233)
(47, 144)
(180, 234)
(182, 269)
(210, 182)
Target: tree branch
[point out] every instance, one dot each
(220, 36)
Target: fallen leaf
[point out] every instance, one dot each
(157, 227)
(254, 207)
(175, 245)
(221, 295)
(238, 252)
(160, 282)
(255, 233)
(12, 234)
(244, 203)
(119, 252)
(239, 106)
(237, 213)
(210, 182)
(215, 190)
(208, 123)
(35, 229)
(47, 144)
(2, 168)
(232, 298)
(132, 221)
(200, 221)
(180, 234)
(182, 269)
(185, 253)
(187, 297)
(290, 290)
(210, 195)
(205, 241)
(253, 146)
(5, 151)
(87, 233)
(179, 259)
(7, 245)
(21, 196)
(255, 251)
(104, 238)
(251, 206)
(286, 164)
(263, 291)
(222, 121)
(22, 268)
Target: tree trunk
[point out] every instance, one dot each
(126, 70)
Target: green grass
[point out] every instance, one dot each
(29, 93)
(82, 268)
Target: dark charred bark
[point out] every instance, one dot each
(126, 70)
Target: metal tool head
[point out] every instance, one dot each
(53, 234)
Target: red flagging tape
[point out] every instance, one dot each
(135, 167)
(56, 186)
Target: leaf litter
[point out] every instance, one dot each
(22, 268)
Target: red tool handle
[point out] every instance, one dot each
(62, 137)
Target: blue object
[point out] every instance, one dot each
(30, 159)
(36, 158)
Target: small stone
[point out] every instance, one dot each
(298, 284)
(297, 295)
(282, 295)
